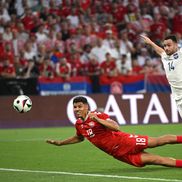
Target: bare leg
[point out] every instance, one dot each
(148, 158)
(151, 159)
(162, 140)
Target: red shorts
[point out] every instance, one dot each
(135, 145)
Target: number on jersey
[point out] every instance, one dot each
(90, 133)
(171, 66)
(140, 141)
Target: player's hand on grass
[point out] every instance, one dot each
(53, 142)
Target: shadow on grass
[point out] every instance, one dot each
(129, 170)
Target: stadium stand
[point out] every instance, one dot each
(58, 41)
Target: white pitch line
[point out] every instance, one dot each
(24, 140)
(90, 175)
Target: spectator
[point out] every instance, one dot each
(4, 15)
(146, 17)
(136, 68)
(126, 46)
(28, 20)
(108, 67)
(63, 69)
(17, 43)
(158, 28)
(46, 69)
(59, 43)
(21, 66)
(123, 65)
(41, 35)
(177, 21)
(2, 47)
(65, 30)
(7, 69)
(42, 53)
(85, 28)
(33, 41)
(93, 70)
(111, 44)
(143, 56)
(119, 11)
(148, 67)
(29, 53)
(20, 7)
(8, 53)
(73, 44)
(23, 34)
(73, 18)
(93, 67)
(77, 68)
(85, 57)
(30, 56)
(88, 36)
(99, 50)
(7, 35)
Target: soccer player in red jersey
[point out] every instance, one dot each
(104, 133)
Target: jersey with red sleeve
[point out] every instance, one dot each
(111, 142)
(107, 67)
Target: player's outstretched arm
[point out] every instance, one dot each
(111, 124)
(157, 49)
(71, 140)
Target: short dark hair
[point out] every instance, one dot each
(172, 37)
(80, 99)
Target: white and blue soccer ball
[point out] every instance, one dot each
(22, 104)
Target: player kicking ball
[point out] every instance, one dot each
(104, 133)
(171, 57)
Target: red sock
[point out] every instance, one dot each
(178, 163)
(179, 139)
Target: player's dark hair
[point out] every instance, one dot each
(80, 99)
(172, 37)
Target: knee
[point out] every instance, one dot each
(153, 142)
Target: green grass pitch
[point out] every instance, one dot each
(26, 150)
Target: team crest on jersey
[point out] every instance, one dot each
(175, 56)
(91, 124)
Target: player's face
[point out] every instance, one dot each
(170, 47)
(80, 109)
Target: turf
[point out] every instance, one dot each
(26, 149)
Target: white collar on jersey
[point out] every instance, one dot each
(86, 116)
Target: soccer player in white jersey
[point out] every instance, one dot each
(171, 57)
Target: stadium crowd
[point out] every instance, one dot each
(65, 38)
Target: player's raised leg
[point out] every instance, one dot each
(163, 140)
(151, 159)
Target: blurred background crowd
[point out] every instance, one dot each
(66, 38)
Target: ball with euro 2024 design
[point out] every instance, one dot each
(22, 104)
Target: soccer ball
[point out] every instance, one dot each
(22, 104)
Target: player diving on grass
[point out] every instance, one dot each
(171, 57)
(104, 133)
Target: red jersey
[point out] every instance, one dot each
(108, 66)
(111, 142)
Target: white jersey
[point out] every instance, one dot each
(173, 68)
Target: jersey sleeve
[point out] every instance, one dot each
(103, 116)
(180, 50)
(77, 131)
(163, 54)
